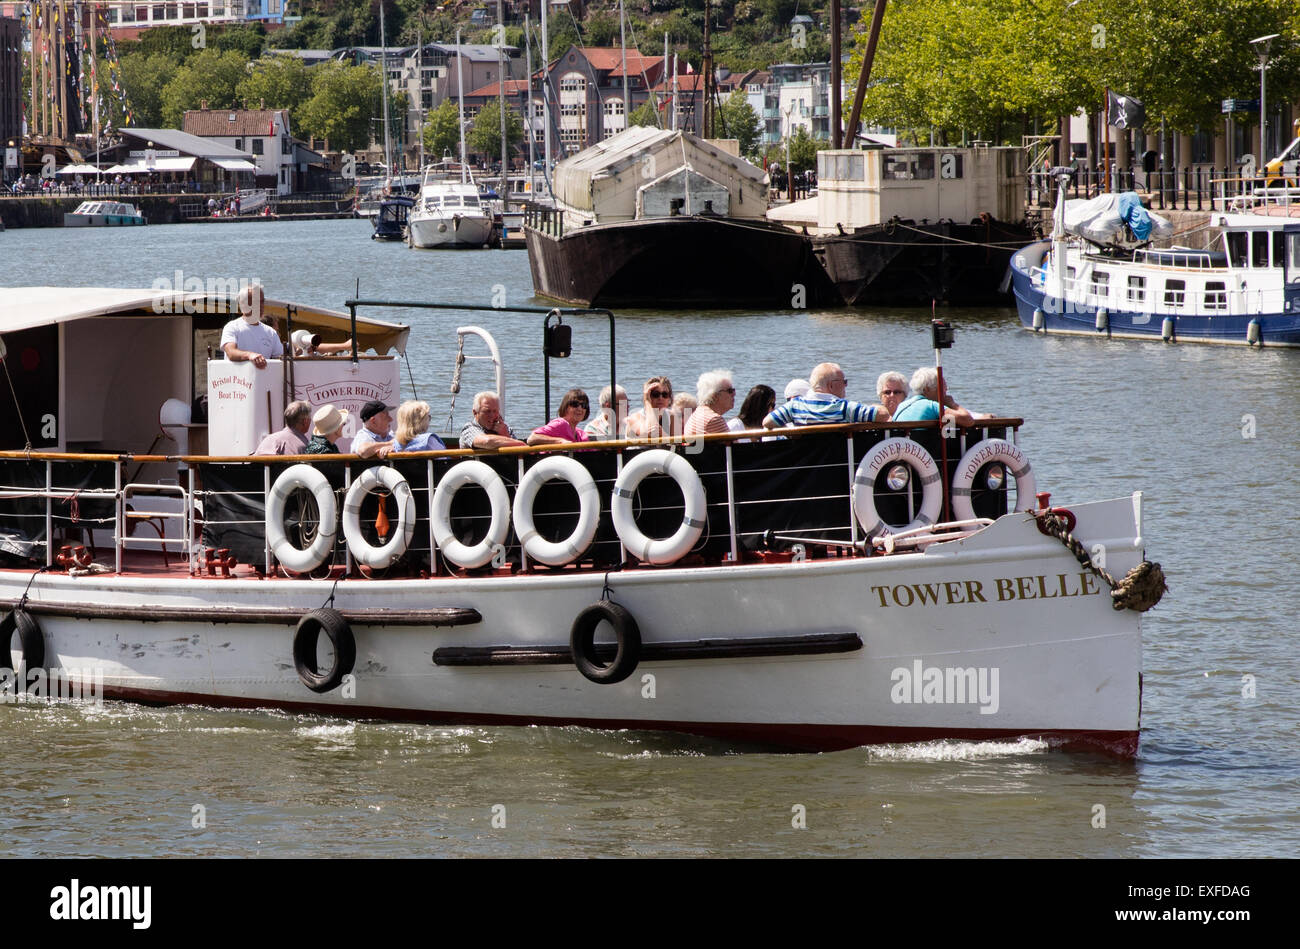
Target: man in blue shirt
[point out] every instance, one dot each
(375, 437)
(922, 404)
(824, 404)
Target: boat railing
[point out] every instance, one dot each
(787, 494)
(1182, 259)
(1254, 196)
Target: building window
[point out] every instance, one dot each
(1137, 290)
(257, 146)
(1216, 295)
(239, 144)
(613, 107)
(1175, 292)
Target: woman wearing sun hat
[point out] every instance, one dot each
(326, 430)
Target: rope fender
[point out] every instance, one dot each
(1141, 588)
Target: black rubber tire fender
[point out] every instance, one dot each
(29, 634)
(333, 625)
(582, 642)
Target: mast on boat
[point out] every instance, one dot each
(460, 103)
(528, 126)
(501, 88)
(383, 78)
(546, 102)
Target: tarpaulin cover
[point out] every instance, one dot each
(1102, 219)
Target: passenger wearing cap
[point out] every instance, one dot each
(307, 343)
(248, 339)
(327, 429)
(375, 438)
(292, 439)
(796, 388)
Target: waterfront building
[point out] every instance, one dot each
(263, 133)
(169, 156)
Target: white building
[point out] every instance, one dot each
(262, 132)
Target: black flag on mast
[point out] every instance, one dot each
(1125, 112)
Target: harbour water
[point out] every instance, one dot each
(1208, 433)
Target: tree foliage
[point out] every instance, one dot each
(344, 100)
(442, 131)
(144, 76)
(208, 76)
(485, 135)
(282, 82)
(739, 121)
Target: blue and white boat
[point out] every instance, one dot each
(1243, 289)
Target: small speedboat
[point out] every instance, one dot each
(103, 214)
(390, 222)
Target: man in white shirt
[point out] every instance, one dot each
(248, 339)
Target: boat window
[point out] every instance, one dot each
(908, 166)
(1216, 295)
(1293, 257)
(1175, 292)
(471, 202)
(1259, 248)
(1071, 273)
(1100, 284)
(1277, 248)
(1238, 247)
(1137, 289)
(840, 167)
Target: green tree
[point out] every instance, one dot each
(209, 76)
(485, 135)
(739, 121)
(344, 100)
(442, 131)
(644, 115)
(144, 76)
(804, 149)
(282, 82)
(248, 40)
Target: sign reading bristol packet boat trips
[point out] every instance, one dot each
(245, 403)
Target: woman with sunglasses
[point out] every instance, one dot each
(657, 400)
(891, 389)
(574, 407)
(717, 394)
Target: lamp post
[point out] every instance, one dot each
(1262, 44)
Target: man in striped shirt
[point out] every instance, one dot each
(823, 405)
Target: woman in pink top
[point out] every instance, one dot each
(574, 408)
(717, 395)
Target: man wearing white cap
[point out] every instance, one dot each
(248, 339)
(327, 429)
(796, 388)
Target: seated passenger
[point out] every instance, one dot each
(413, 429)
(327, 429)
(922, 404)
(796, 388)
(248, 339)
(488, 429)
(683, 407)
(292, 439)
(891, 389)
(375, 437)
(574, 407)
(717, 394)
(656, 401)
(824, 404)
(760, 400)
(602, 424)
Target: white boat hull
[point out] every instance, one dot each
(449, 230)
(999, 635)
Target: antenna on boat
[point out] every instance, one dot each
(941, 335)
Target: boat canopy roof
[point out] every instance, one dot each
(28, 307)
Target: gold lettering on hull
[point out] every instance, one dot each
(963, 592)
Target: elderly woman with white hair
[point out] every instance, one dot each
(923, 405)
(716, 393)
(891, 390)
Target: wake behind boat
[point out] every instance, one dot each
(848, 584)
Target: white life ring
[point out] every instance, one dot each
(291, 479)
(390, 480)
(470, 472)
(864, 485)
(575, 545)
(981, 454)
(669, 549)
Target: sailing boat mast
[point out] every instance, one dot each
(546, 100)
(460, 103)
(622, 42)
(706, 127)
(383, 78)
(528, 125)
(501, 87)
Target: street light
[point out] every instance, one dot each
(1262, 44)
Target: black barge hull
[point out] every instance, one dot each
(680, 263)
(902, 263)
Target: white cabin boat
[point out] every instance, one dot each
(103, 214)
(450, 212)
(687, 592)
(1244, 289)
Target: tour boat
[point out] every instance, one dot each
(103, 214)
(1243, 289)
(449, 211)
(845, 585)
